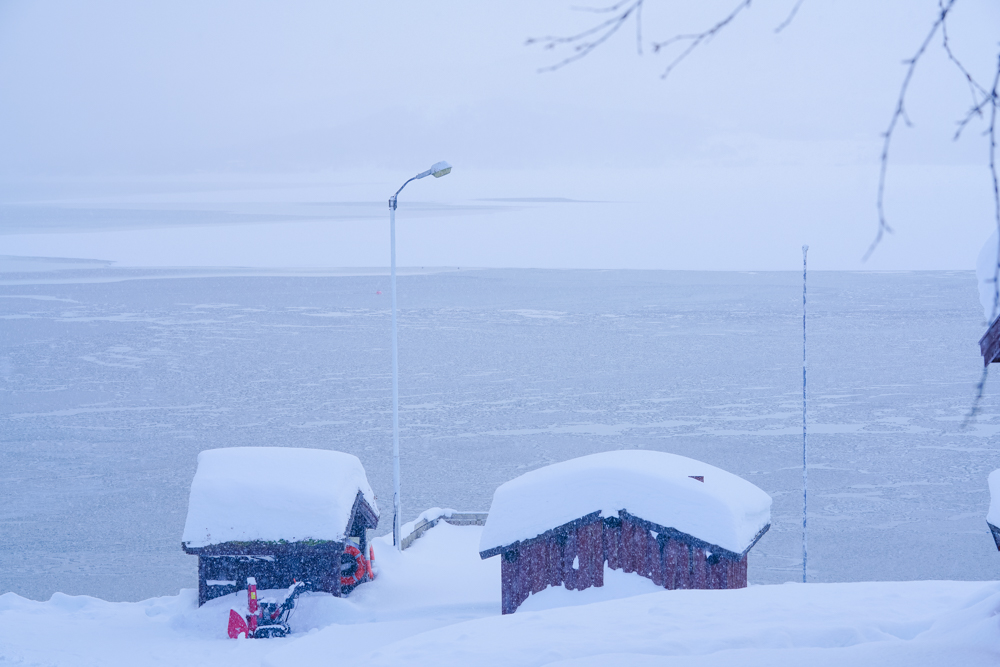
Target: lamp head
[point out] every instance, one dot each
(439, 169)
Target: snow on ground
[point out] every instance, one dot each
(617, 584)
(309, 494)
(721, 508)
(438, 604)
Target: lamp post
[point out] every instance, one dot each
(437, 170)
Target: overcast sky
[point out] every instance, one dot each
(759, 142)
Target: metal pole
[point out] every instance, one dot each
(396, 538)
(437, 170)
(805, 469)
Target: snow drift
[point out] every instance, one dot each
(437, 604)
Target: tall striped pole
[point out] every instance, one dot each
(805, 469)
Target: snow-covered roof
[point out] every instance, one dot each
(994, 514)
(724, 510)
(248, 494)
(986, 267)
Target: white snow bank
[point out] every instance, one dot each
(427, 515)
(438, 604)
(724, 510)
(273, 493)
(905, 624)
(986, 265)
(993, 516)
(439, 581)
(617, 584)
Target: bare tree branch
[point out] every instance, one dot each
(900, 113)
(992, 99)
(974, 410)
(638, 29)
(975, 111)
(993, 172)
(980, 97)
(975, 89)
(586, 41)
(696, 39)
(791, 16)
(602, 10)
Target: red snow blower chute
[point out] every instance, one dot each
(267, 618)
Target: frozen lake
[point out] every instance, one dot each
(114, 379)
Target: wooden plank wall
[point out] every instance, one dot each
(624, 545)
(322, 570)
(989, 344)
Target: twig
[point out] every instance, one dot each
(696, 38)
(974, 410)
(790, 17)
(974, 88)
(991, 97)
(900, 112)
(586, 41)
(992, 132)
(638, 28)
(602, 10)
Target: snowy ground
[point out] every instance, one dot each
(438, 604)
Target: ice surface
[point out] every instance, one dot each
(109, 390)
(986, 267)
(247, 494)
(438, 604)
(723, 510)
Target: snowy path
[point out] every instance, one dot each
(438, 604)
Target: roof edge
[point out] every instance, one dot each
(262, 548)
(361, 509)
(672, 533)
(582, 521)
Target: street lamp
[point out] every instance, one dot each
(437, 170)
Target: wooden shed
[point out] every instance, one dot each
(278, 514)
(676, 521)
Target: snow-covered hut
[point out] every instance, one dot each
(993, 517)
(278, 514)
(676, 521)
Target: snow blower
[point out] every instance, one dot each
(267, 618)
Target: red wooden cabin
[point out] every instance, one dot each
(574, 553)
